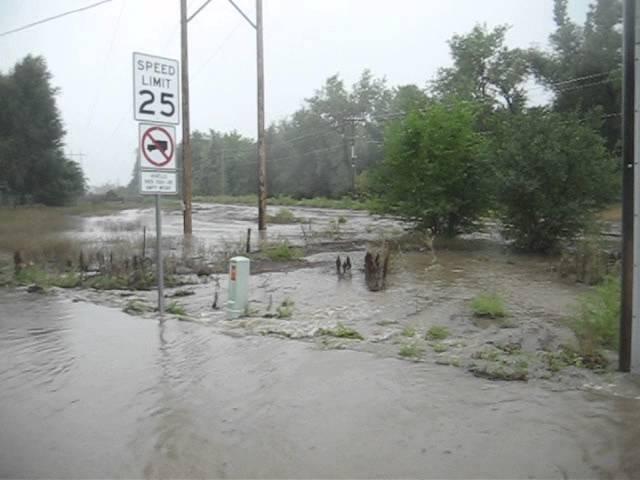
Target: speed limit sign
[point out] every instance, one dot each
(156, 85)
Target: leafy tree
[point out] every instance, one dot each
(553, 171)
(583, 68)
(32, 163)
(485, 71)
(434, 171)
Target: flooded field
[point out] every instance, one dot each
(343, 382)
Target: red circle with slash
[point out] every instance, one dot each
(165, 147)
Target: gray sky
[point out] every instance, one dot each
(306, 41)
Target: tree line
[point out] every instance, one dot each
(33, 167)
(468, 143)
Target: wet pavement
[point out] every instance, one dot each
(91, 392)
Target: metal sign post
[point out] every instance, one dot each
(155, 99)
(159, 264)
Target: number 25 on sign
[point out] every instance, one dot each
(155, 89)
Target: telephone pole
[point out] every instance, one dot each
(186, 133)
(262, 150)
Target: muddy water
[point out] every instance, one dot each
(216, 225)
(90, 392)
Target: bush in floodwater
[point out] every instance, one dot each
(411, 350)
(283, 216)
(596, 323)
(285, 309)
(174, 308)
(341, 331)
(437, 332)
(488, 305)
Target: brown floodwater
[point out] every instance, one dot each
(88, 391)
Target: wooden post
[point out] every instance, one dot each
(186, 133)
(262, 151)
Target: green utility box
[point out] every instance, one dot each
(238, 298)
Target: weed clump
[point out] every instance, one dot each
(174, 308)
(437, 332)
(411, 350)
(136, 307)
(488, 305)
(408, 331)
(285, 309)
(341, 331)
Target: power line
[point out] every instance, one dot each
(104, 66)
(44, 20)
(217, 50)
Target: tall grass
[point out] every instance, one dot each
(596, 323)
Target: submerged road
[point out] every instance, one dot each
(88, 391)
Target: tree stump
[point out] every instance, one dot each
(376, 265)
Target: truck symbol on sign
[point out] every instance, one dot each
(161, 145)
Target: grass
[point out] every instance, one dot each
(174, 308)
(281, 252)
(411, 350)
(34, 275)
(344, 203)
(488, 305)
(341, 331)
(285, 309)
(408, 331)
(437, 332)
(596, 323)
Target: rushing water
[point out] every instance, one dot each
(90, 392)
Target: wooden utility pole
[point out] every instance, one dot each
(262, 150)
(186, 133)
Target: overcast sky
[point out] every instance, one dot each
(306, 41)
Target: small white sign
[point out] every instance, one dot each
(158, 182)
(156, 89)
(157, 144)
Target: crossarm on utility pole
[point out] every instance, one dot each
(198, 10)
(243, 14)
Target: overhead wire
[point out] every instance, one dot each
(48, 19)
(104, 75)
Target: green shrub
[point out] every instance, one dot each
(488, 305)
(553, 172)
(434, 170)
(437, 332)
(596, 323)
